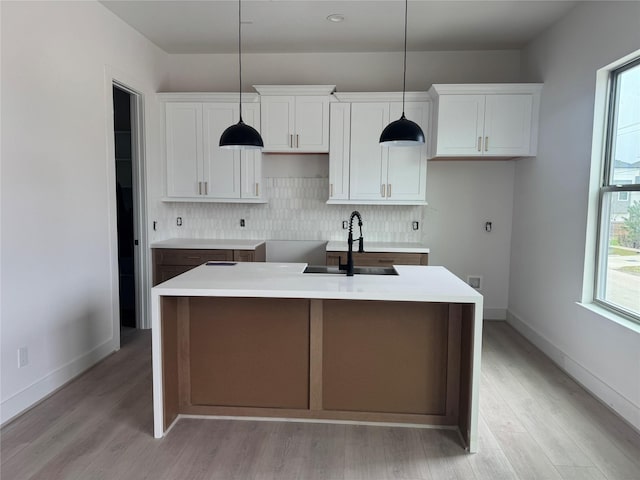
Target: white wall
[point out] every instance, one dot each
(350, 72)
(463, 196)
(550, 207)
(57, 254)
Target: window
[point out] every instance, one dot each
(623, 196)
(618, 270)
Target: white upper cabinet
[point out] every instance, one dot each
(197, 168)
(183, 142)
(360, 169)
(368, 159)
(488, 120)
(221, 167)
(339, 146)
(295, 118)
(407, 166)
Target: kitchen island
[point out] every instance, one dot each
(266, 340)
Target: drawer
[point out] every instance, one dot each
(378, 259)
(173, 256)
(244, 256)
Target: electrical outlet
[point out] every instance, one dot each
(415, 225)
(345, 224)
(23, 357)
(179, 221)
(242, 222)
(475, 281)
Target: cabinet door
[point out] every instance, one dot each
(251, 160)
(378, 259)
(243, 256)
(339, 145)
(368, 159)
(507, 125)
(221, 167)
(183, 123)
(407, 167)
(311, 132)
(460, 125)
(334, 259)
(277, 122)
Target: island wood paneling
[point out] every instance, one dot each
(370, 361)
(466, 370)
(315, 355)
(250, 352)
(170, 361)
(385, 356)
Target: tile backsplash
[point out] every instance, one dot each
(297, 210)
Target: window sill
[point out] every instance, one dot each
(610, 315)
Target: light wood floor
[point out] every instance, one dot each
(536, 423)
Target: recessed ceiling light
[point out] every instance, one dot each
(336, 18)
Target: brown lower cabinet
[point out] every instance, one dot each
(171, 262)
(378, 259)
(310, 358)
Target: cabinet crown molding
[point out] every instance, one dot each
(295, 89)
(354, 97)
(485, 88)
(207, 97)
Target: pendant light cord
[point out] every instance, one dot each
(240, 57)
(404, 76)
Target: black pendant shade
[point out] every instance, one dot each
(402, 133)
(241, 136)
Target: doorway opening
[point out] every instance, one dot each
(125, 137)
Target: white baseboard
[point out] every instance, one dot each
(597, 387)
(495, 313)
(27, 398)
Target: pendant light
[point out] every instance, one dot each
(402, 132)
(240, 135)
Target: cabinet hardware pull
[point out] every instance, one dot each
(199, 188)
(383, 190)
(291, 140)
(385, 260)
(486, 144)
(194, 258)
(206, 188)
(331, 189)
(389, 191)
(479, 144)
(297, 141)
(257, 189)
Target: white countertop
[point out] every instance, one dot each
(380, 247)
(208, 243)
(286, 280)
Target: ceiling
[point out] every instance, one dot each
(280, 26)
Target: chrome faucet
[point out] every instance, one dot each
(349, 265)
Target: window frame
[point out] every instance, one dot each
(606, 187)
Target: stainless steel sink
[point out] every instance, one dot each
(356, 270)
